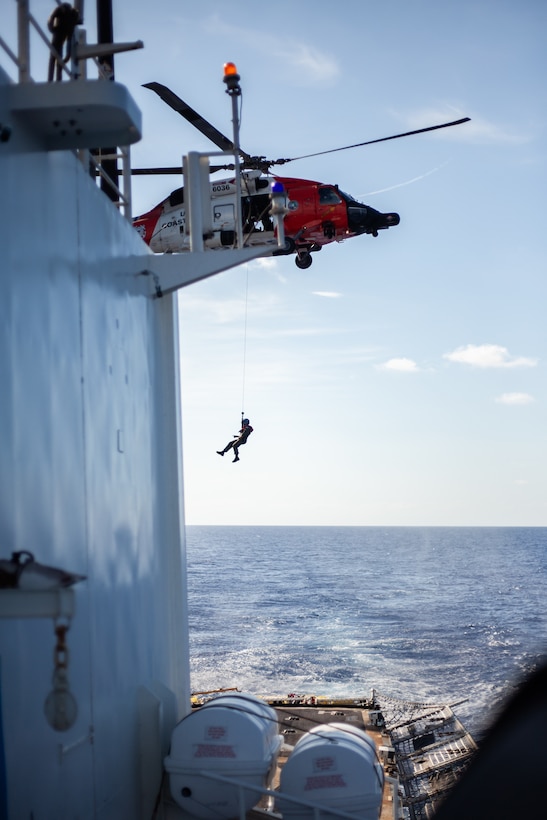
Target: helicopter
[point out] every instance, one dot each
(316, 213)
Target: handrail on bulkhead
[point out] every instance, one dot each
(22, 60)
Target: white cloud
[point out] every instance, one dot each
(487, 356)
(478, 130)
(485, 132)
(314, 64)
(265, 262)
(305, 63)
(514, 398)
(269, 265)
(329, 294)
(401, 365)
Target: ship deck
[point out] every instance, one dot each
(423, 748)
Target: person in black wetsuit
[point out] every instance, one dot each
(241, 439)
(62, 22)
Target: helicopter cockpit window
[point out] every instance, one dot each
(177, 197)
(347, 197)
(328, 196)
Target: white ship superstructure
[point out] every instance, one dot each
(90, 464)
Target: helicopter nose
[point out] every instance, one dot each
(363, 219)
(382, 222)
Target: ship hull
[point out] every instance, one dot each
(90, 481)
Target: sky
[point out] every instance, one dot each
(400, 380)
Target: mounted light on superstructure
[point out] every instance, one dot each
(233, 88)
(278, 210)
(232, 78)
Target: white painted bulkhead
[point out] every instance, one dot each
(90, 481)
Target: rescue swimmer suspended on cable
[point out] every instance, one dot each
(239, 440)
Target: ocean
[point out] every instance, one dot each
(435, 614)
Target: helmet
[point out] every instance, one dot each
(245, 421)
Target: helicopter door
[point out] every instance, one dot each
(223, 217)
(329, 211)
(224, 222)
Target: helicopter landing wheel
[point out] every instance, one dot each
(303, 260)
(288, 248)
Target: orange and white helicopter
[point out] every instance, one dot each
(317, 213)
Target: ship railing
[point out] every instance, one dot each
(274, 797)
(22, 59)
(123, 195)
(92, 161)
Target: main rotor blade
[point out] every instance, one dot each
(371, 142)
(176, 169)
(140, 172)
(194, 118)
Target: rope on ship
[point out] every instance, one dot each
(414, 704)
(398, 712)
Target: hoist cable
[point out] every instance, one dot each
(245, 343)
